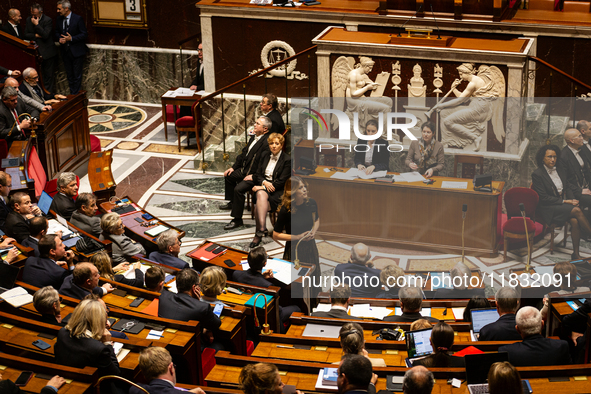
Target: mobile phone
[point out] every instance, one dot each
(147, 216)
(219, 250)
(211, 247)
(139, 220)
(137, 302)
(303, 272)
(23, 378)
(429, 181)
(218, 309)
(230, 263)
(41, 344)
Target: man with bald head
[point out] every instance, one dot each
(83, 281)
(13, 24)
(362, 278)
(418, 380)
(576, 166)
(31, 105)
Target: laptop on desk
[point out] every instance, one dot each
(321, 330)
(480, 318)
(8, 274)
(44, 202)
(418, 345)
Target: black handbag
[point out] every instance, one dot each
(87, 245)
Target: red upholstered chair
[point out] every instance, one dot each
(514, 227)
(95, 144)
(37, 172)
(188, 124)
(170, 113)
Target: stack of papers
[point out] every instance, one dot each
(179, 92)
(409, 177)
(130, 273)
(454, 185)
(322, 308)
(368, 311)
(354, 173)
(324, 387)
(17, 297)
(55, 226)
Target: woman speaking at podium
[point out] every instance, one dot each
(377, 157)
(426, 155)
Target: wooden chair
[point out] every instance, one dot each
(514, 227)
(190, 124)
(468, 165)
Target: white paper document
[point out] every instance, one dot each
(454, 185)
(322, 307)
(283, 271)
(412, 176)
(458, 313)
(153, 334)
(354, 173)
(170, 93)
(55, 226)
(343, 175)
(17, 297)
(399, 178)
(130, 273)
(184, 92)
(424, 312)
(368, 311)
(172, 287)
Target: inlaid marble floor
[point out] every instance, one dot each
(150, 170)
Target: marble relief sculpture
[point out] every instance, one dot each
(350, 80)
(465, 126)
(417, 87)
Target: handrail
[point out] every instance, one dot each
(263, 71)
(573, 79)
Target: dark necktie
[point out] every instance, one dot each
(66, 26)
(38, 91)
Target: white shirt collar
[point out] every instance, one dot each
(276, 157)
(342, 308)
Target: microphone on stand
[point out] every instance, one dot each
(420, 8)
(464, 210)
(522, 209)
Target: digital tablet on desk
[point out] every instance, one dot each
(156, 230)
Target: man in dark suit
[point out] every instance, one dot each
(5, 187)
(159, 370)
(32, 107)
(339, 303)
(169, 246)
(576, 166)
(31, 88)
(411, 300)
(535, 350)
(504, 328)
(71, 33)
(17, 221)
(355, 375)
(12, 25)
(269, 105)
(47, 302)
(460, 275)
(185, 305)
(39, 28)
(48, 269)
(38, 228)
(199, 81)
(63, 202)
(83, 281)
(418, 380)
(9, 73)
(84, 217)
(358, 274)
(238, 178)
(12, 124)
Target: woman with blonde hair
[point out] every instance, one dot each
(298, 217)
(102, 262)
(212, 283)
(503, 378)
(389, 279)
(123, 246)
(85, 340)
(261, 378)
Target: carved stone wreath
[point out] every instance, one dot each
(265, 57)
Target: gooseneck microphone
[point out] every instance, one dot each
(420, 8)
(464, 210)
(522, 209)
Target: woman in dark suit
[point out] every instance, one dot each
(557, 204)
(377, 156)
(442, 339)
(426, 155)
(85, 340)
(273, 171)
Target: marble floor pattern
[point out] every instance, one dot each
(150, 170)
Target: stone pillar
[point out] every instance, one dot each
(515, 108)
(207, 41)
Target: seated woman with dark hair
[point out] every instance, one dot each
(426, 154)
(261, 378)
(376, 157)
(442, 339)
(557, 203)
(123, 246)
(102, 262)
(476, 302)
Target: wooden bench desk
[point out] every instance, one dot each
(100, 175)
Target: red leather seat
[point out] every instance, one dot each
(514, 227)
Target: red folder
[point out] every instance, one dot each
(203, 254)
(468, 350)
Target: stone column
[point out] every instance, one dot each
(208, 64)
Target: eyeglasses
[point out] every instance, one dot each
(180, 242)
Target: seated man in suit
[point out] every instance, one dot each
(12, 25)
(418, 380)
(339, 303)
(355, 375)
(185, 305)
(38, 228)
(84, 217)
(49, 269)
(17, 221)
(460, 278)
(63, 202)
(5, 188)
(83, 281)
(154, 279)
(535, 350)
(411, 300)
(159, 370)
(576, 166)
(13, 122)
(358, 271)
(169, 246)
(47, 302)
(31, 105)
(239, 179)
(30, 87)
(504, 328)
(269, 105)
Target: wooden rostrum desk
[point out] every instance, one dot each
(407, 215)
